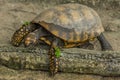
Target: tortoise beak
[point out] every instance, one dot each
(29, 41)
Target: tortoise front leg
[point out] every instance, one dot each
(54, 60)
(19, 35)
(104, 43)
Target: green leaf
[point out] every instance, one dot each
(26, 23)
(57, 52)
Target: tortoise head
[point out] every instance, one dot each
(30, 39)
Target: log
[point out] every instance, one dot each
(75, 60)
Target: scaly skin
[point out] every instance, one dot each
(53, 62)
(19, 35)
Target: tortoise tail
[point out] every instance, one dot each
(54, 62)
(19, 35)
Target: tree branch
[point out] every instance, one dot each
(105, 63)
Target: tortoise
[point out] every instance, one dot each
(63, 26)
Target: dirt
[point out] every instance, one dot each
(13, 15)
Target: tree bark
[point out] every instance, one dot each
(105, 63)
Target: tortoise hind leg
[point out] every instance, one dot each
(104, 43)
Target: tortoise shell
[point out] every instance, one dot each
(71, 22)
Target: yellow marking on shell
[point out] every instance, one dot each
(44, 24)
(85, 36)
(45, 40)
(87, 14)
(49, 15)
(70, 45)
(72, 35)
(75, 15)
(64, 19)
(92, 39)
(55, 32)
(92, 35)
(77, 36)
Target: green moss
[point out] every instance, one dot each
(57, 52)
(26, 23)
